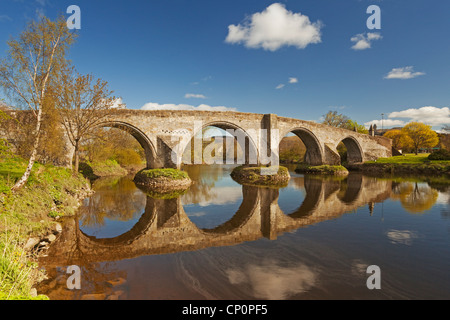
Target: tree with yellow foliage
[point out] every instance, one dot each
(400, 139)
(421, 135)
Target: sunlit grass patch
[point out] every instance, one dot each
(17, 270)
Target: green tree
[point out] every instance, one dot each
(333, 119)
(355, 126)
(338, 120)
(33, 65)
(422, 136)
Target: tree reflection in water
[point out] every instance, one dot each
(115, 199)
(415, 197)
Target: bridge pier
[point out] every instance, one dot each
(269, 210)
(269, 141)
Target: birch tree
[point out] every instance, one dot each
(34, 64)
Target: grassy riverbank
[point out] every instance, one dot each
(405, 164)
(50, 192)
(97, 169)
(323, 169)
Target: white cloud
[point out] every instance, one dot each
(363, 41)
(40, 12)
(291, 81)
(274, 28)
(170, 106)
(5, 18)
(42, 2)
(403, 73)
(194, 95)
(119, 104)
(385, 123)
(373, 36)
(429, 115)
(337, 107)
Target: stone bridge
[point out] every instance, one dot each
(164, 227)
(165, 135)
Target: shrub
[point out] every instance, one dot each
(441, 154)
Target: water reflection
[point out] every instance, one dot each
(121, 224)
(415, 197)
(162, 225)
(272, 281)
(113, 209)
(401, 236)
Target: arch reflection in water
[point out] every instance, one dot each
(113, 209)
(165, 227)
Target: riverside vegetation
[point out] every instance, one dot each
(436, 163)
(31, 213)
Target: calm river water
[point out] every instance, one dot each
(313, 239)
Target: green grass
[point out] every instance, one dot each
(253, 176)
(49, 192)
(323, 169)
(170, 173)
(107, 168)
(407, 164)
(17, 271)
(410, 158)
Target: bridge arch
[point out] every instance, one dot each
(140, 136)
(314, 152)
(243, 137)
(354, 150)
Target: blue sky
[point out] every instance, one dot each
(297, 59)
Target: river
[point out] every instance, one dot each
(313, 239)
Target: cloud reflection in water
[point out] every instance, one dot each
(274, 282)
